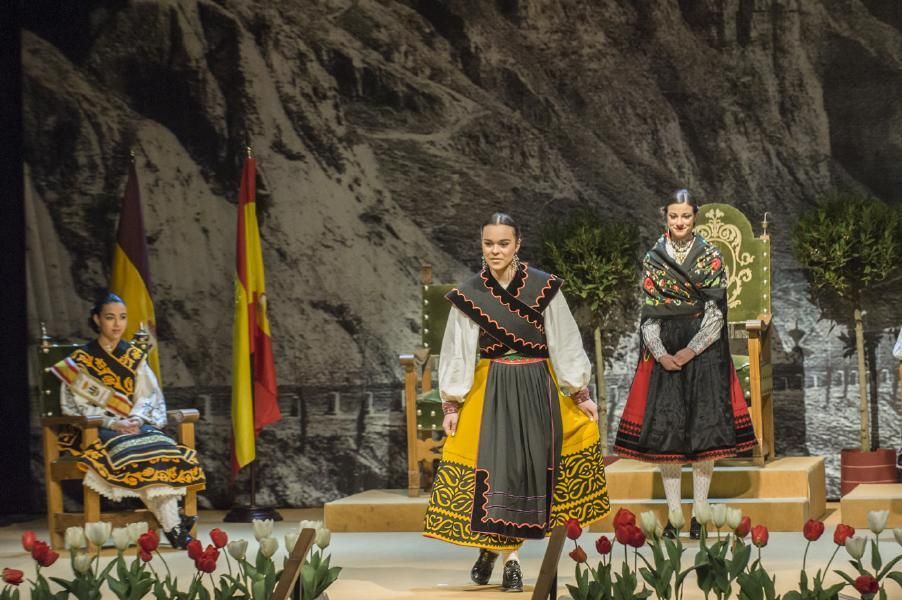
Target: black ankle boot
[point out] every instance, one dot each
(695, 529)
(512, 581)
(482, 569)
(178, 537)
(187, 523)
(670, 531)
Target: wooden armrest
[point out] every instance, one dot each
(183, 415)
(92, 422)
(406, 360)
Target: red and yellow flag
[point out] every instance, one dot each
(254, 395)
(130, 279)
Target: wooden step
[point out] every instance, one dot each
(855, 505)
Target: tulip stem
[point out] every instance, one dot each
(229, 563)
(165, 564)
(827, 568)
(805, 556)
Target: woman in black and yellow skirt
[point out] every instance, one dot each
(522, 453)
(685, 404)
(109, 377)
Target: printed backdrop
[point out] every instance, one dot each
(386, 131)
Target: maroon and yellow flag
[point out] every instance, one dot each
(130, 279)
(254, 395)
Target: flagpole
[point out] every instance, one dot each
(252, 512)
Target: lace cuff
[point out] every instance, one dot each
(651, 335)
(709, 330)
(449, 407)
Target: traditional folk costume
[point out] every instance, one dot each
(524, 458)
(148, 464)
(696, 414)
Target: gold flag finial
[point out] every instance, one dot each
(250, 153)
(131, 155)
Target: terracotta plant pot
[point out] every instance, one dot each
(877, 466)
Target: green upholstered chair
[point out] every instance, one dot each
(423, 404)
(748, 261)
(59, 431)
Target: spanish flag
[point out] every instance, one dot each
(254, 395)
(130, 279)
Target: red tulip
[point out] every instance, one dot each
(842, 533)
(13, 576)
(866, 584)
(637, 538)
(43, 555)
(28, 540)
(573, 529)
(760, 535)
(145, 555)
(578, 554)
(206, 561)
(221, 538)
(624, 517)
(813, 530)
(195, 549)
(148, 541)
(603, 545)
(745, 525)
(622, 534)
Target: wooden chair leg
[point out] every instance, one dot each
(54, 488)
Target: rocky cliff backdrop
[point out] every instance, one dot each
(385, 131)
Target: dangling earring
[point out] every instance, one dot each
(516, 262)
(484, 264)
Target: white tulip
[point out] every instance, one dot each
(877, 520)
(311, 524)
(75, 538)
(291, 538)
(237, 549)
(855, 547)
(677, 520)
(120, 538)
(648, 523)
(719, 515)
(136, 530)
(262, 528)
(82, 563)
(98, 533)
(323, 537)
(734, 517)
(897, 532)
(702, 513)
(268, 546)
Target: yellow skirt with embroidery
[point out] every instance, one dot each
(580, 489)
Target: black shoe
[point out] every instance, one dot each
(670, 531)
(512, 581)
(178, 537)
(187, 523)
(695, 529)
(482, 569)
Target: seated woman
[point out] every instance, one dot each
(109, 377)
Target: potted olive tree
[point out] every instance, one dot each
(599, 261)
(850, 247)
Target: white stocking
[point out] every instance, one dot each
(701, 479)
(165, 509)
(511, 555)
(671, 475)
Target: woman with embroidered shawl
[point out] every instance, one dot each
(109, 377)
(522, 453)
(685, 404)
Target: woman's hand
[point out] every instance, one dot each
(684, 356)
(589, 408)
(126, 426)
(450, 424)
(670, 363)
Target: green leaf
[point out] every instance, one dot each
(896, 576)
(889, 566)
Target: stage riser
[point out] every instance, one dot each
(855, 505)
(783, 495)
